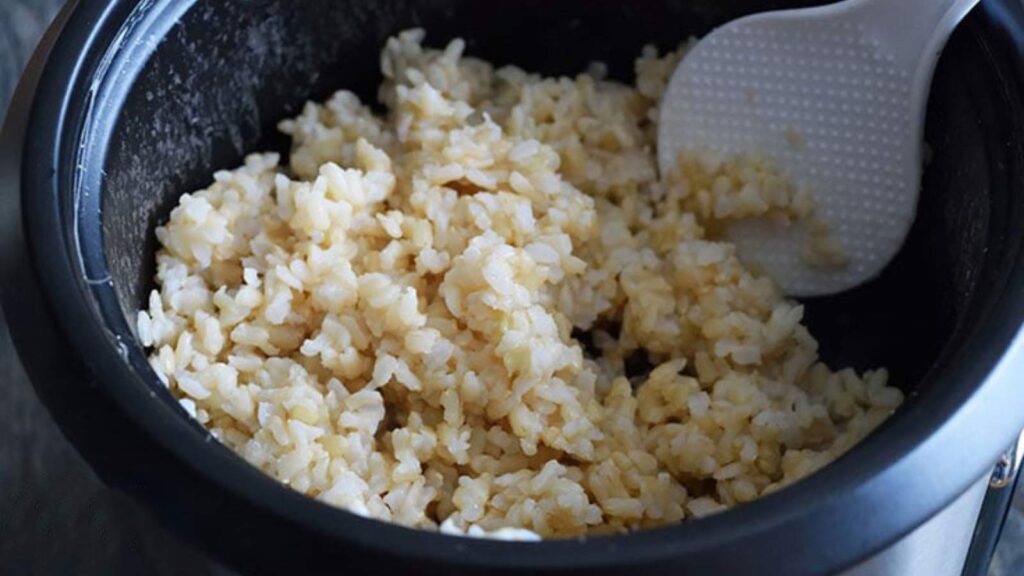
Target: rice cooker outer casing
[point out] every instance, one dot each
(127, 104)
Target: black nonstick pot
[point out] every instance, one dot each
(129, 103)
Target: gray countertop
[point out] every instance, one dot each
(55, 515)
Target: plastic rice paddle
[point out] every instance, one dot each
(836, 97)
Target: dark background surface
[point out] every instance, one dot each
(55, 515)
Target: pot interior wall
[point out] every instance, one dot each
(216, 86)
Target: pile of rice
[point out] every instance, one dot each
(486, 313)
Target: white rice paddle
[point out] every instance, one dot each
(836, 97)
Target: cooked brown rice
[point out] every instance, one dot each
(393, 323)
